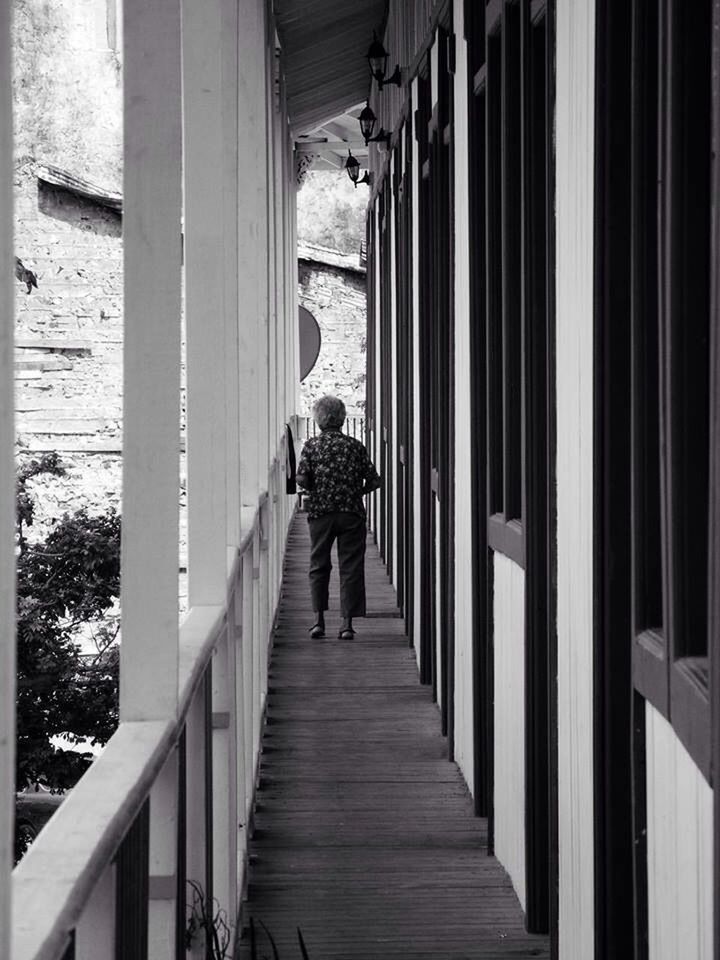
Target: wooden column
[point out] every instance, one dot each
(252, 247)
(151, 455)
(7, 484)
(204, 301)
(151, 228)
(231, 188)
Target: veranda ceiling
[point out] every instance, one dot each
(324, 43)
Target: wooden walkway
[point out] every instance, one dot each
(364, 833)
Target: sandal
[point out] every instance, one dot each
(317, 630)
(346, 633)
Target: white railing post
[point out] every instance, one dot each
(7, 483)
(151, 447)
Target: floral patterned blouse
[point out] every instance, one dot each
(336, 471)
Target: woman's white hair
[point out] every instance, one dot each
(329, 412)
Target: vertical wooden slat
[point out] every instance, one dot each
(95, 933)
(131, 902)
(163, 852)
(151, 228)
(204, 300)
(223, 779)
(197, 838)
(181, 875)
(248, 629)
(7, 484)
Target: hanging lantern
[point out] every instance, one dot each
(377, 57)
(368, 120)
(352, 165)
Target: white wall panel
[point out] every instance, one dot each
(574, 291)
(509, 728)
(463, 426)
(679, 848)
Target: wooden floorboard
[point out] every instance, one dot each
(364, 834)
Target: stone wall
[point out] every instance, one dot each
(68, 357)
(335, 295)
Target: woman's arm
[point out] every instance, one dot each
(372, 477)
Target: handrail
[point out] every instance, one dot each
(63, 865)
(102, 807)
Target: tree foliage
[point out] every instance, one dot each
(66, 585)
(331, 211)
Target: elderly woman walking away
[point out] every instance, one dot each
(336, 472)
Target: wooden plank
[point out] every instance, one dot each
(7, 482)
(151, 227)
(364, 835)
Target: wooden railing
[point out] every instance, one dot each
(105, 879)
(353, 427)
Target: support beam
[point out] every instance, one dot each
(151, 228)
(7, 484)
(204, 300)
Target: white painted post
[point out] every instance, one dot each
(204, 301)
(7, 483)
(95, 933)
(252, 245)
(230, 40)
(151, 455)
(163, 862)
(151, 230)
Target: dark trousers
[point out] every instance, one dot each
(350, 531)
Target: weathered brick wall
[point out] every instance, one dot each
(335, 296)
(68, 362)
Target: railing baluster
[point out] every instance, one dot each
(181, 886)
(195, 796)
(223, 780)
(248, 660)
(131, 902)
(238, 692)
(95, 932)
(162, 912)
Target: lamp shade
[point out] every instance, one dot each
(367, 120)
(377, 57)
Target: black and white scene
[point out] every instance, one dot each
(359, 479)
